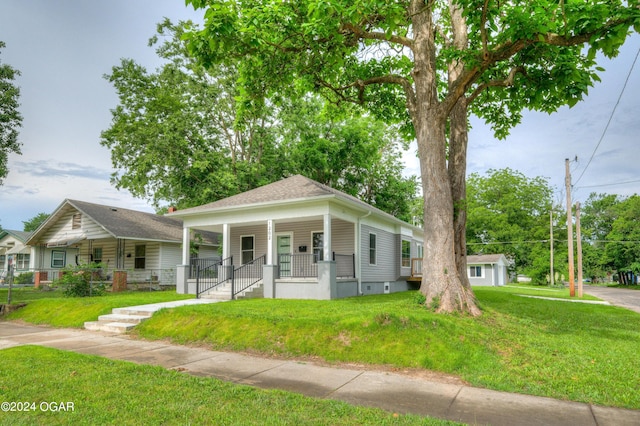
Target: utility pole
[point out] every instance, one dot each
(572, 286)
(553, 279)
(579, 249)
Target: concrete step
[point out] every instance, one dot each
(110, 327)
(128, 318)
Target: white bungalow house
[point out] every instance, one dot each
(15, 252)
(300, 239)
(144, 245)
(488, 269)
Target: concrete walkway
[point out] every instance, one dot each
(394, 392)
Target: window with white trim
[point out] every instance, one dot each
(58, 259)
(22, 261)
(140, 260)
(317, 241)
(97, 254)
(406, 254)
(247, 248)
(373, 247)
(475, 271)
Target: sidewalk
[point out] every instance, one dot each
(394, 392)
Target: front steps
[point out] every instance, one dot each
(116, 322)
(223, 292)
(122, 320)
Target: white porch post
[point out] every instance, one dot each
(186, 244)
(269, 242)
(226, 241)
(327, 237)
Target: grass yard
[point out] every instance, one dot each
(572, 351)
(541, 347)
(102, 391)
(53, 308)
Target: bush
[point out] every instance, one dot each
(23, 278)
(82, 281)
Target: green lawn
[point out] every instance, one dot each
(98, 391)
(573, 351)
(53, 308)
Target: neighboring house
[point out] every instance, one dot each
(145, 245)
(306, 240)
(488, 269)
(14, 252)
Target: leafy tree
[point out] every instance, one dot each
(420, 64)
(33, 223)
(10, 118)
(358, 155)
(177, 137)
(622, 247)
(596, 220)
(509, 213)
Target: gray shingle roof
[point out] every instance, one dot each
(296, 187)
(129, 224)
(483, 258)
(20, 235)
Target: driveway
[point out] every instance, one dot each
(629, 299)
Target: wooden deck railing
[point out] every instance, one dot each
(416, 267)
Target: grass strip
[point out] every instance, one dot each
(63, 311)
(104, 391)
(571, 351)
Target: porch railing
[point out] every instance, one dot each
(247, 275)
(303, 265)
(345, 265)
(211, 272)
(300, 265)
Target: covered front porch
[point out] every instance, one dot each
(304, 257)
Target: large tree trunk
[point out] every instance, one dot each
(458, 142)
(441, 281)
(458, 139)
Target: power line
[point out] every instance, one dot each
(610, 117)
(609, 184)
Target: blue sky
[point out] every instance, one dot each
(64, 47)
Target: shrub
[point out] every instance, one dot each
(23, 278)
(82, 281)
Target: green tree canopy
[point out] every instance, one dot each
(179, 136)
(33, 223)
(10, 118)
(508, 213)
(414, 62)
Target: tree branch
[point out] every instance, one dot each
(375, 35)
(507, 82)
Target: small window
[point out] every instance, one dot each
(140, 259)
(420, 248)
(22, 261)
(247, 247)
(76, 222)
(372, 249)
(58, 259)
(97, 255)
(406, 254)
(317, 240)
(475, 271)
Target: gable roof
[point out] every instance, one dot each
(294, 188)
(123, 223)
(18, 235)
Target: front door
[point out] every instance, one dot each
(283, 242)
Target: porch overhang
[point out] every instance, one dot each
(65, 242)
